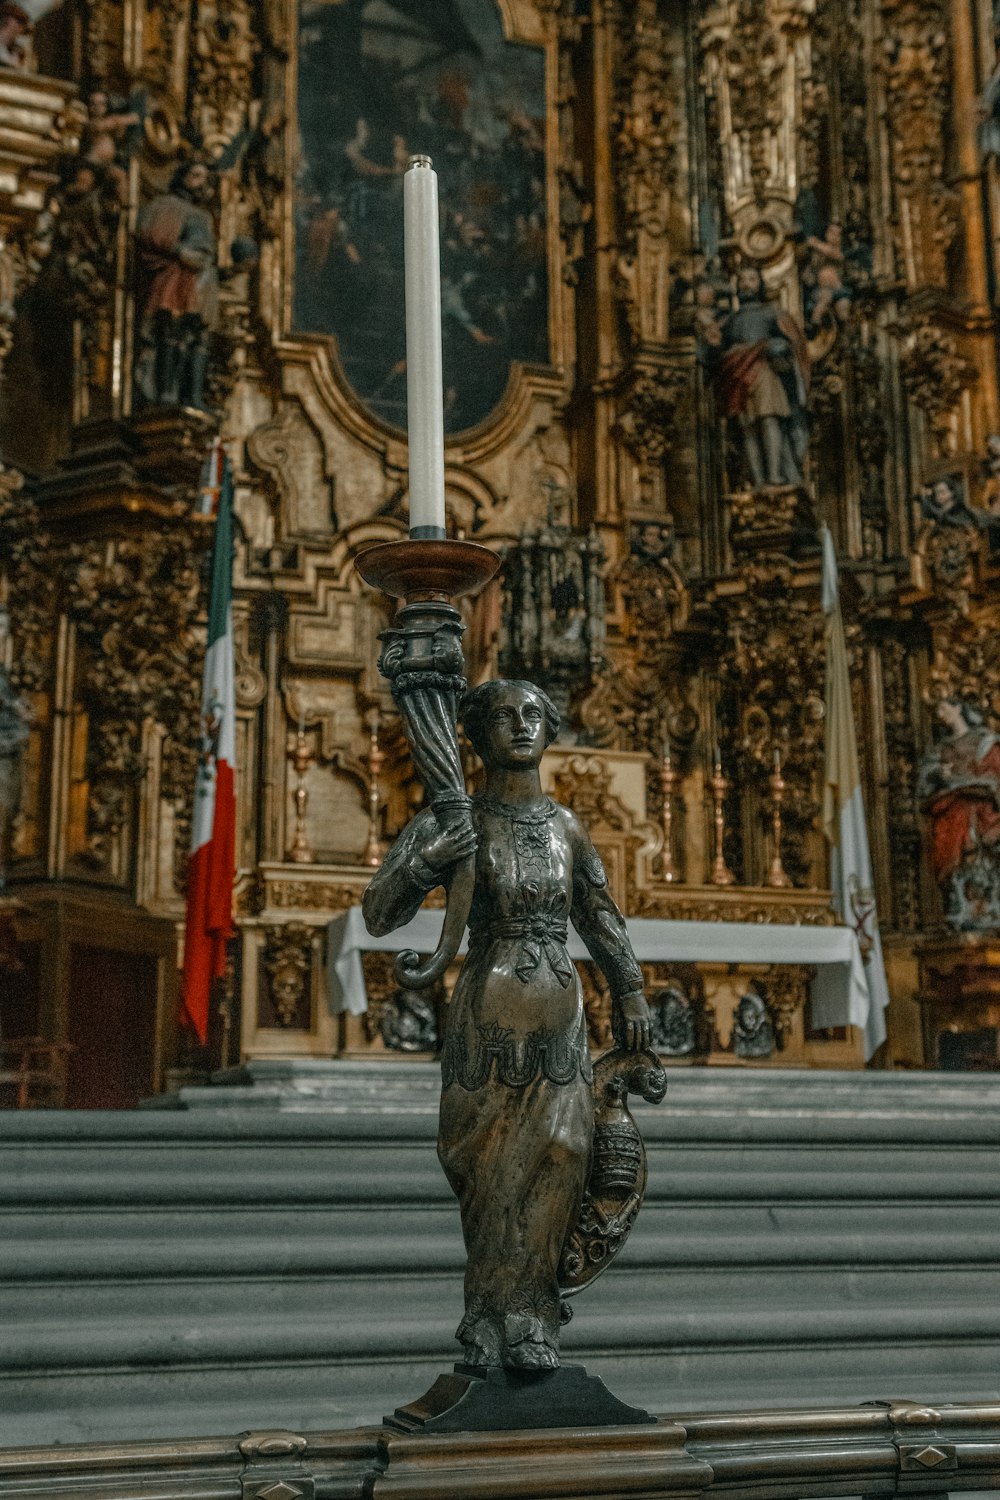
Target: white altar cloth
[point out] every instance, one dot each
(839, 990)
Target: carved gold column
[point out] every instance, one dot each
(966, 111)
(39, 122)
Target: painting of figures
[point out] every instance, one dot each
(380, 80)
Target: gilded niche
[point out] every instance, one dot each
(377, 83)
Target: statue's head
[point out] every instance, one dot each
(509, 724)
(193, 179)
(749, 284)
(945, 493)
(958, 717)
(751, 1011)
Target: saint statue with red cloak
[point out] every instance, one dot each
(960, 790)
(763, 384)
(179, 291)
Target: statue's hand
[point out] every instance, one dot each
(630, 1022)
(450, 845)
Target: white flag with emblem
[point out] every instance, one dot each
(851, 878)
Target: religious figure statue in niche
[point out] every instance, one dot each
(827, 300)
(753, 1029)
(761, 366)
(179, 295)
(112, 130)
(943, 503)
(673, 1023)
(517, 1105)
(409, 1023)
(835, 258)
(960, 788)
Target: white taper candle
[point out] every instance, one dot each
(424, 393)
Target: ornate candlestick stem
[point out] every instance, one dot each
(669, 780)
(300, 850)
(422, 660)
(374, 849)
(777, 874)
(721, 873)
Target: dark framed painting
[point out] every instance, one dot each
(379, 80)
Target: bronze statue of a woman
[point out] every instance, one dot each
(517, 1103)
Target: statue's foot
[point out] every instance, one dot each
(476, 1355)
(531, 1356)
(527, 1348)
(480, 1341)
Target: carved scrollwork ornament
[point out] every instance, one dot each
(936, 375)
(785, 993)
(650, 409)
(31, 583)
(136, 610)
(288, 965)
(772, 678)
(224, 51)
(645, 163)
(644, 688)
(917, 73)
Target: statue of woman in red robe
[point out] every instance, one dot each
(960, 788)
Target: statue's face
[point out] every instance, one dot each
(748, 283)
(196, 180)
(950, 715)
(515, 731)
(287, 984)
(747, 1012)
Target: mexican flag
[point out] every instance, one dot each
(213, 826)
(851, 878)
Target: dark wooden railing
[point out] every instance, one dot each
(881, 1449)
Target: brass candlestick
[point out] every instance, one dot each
(721, 873)
(301, 757)
(374, 849)
(777, 874)
(669, 780)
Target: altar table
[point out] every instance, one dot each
(839, 991)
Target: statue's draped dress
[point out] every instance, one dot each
(517, 1109)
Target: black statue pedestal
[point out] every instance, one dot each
(499, 1400)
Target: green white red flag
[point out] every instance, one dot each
(212, 864)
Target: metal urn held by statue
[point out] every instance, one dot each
(537, 1144)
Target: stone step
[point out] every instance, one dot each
(342, 1243)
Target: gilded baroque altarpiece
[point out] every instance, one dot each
(712, 274)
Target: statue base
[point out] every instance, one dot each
(499, 1400)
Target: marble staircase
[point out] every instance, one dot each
(283, 1251)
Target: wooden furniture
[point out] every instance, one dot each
(32, 1071)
